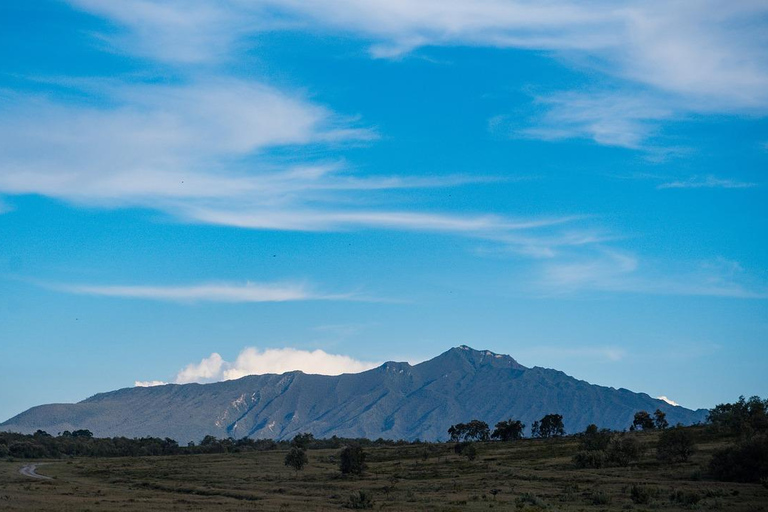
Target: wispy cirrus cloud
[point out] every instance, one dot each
(253, 361)
(709, 181)
(616, 271)
(201, 152)
(210, 292)
(684, 56)
(611, 119)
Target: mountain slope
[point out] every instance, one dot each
(395, 401)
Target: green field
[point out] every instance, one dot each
(520, 475)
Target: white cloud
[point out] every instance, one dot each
(707, 182)
(148, 383)
(211, 292)
(669, 58)
(168, 142)
(711, 49)
(612, 119)
(200, 152)
(670, 402)
(252, 361)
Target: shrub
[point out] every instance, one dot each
(744, 462)
(687, 498)
(624, 450)
(675, 445)
(360, 500)
(600, 498)
(595, 440)
(642, 494)
(352, 460)
(527, 498)
(589, 459)
(296, 458)
(470, 452)
(26, 449)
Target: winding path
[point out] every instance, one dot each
(30, 470)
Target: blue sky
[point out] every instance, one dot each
(197, 190)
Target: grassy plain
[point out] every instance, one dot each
(525, 475)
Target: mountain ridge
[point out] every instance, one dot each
(395, 400)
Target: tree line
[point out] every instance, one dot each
(744, 423)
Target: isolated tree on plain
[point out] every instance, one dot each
(550, 425)
(296, 458)
(660, 419)
(508, 430)
(352, 460)
(643, 421)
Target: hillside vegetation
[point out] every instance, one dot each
(720, 466)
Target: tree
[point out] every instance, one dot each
(643, 420)
(593, 439)
(550, 425)
(303, 440)
(675, 445)
(746, 461)
(660, 419)
(296, 458)
(352, 460)
(745, 417)
(475, 430)
(508, 430)
(623, 450)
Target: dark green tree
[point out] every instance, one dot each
(643, 421)
(594, 439)
(508, 430)
(475, 430)
(550, 425)
(303, 440)
(676, 444)
(296, 458)
(744, 417)
(660, 420)
(352, 460)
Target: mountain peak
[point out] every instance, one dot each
(479, 358)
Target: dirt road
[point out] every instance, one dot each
(30, 471)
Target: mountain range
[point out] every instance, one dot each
(392, 401)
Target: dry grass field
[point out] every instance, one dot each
(522, 475)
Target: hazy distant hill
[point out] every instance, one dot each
(395, 400)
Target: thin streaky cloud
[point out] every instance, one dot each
(707, 182)
(689, 55)
(615, 271)
(209, 292)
